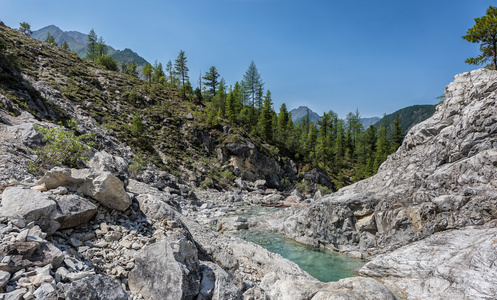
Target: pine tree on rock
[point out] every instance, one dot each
(484, 32)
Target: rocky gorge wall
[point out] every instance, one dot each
(442, 178)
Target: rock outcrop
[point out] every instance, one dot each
(443, 177)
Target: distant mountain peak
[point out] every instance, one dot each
(77, 43)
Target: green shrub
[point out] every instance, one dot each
(62, 148)
(108, 62)
(137, 167)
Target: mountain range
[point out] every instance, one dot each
(409, 116)
(77, 43)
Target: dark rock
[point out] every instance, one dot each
(30, 253)
(73, 210)
(96, 287)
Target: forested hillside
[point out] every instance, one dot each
(409, 116)
(191, 132)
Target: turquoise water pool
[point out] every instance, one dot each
(323, 265)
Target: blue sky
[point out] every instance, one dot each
(374, 56)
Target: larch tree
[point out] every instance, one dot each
(180, 67)
(147, 72)
(252, 83)
(92, 49)
(211, 81)
(484, 32)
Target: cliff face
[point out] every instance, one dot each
(442, 177)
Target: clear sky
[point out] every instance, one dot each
(375, 56)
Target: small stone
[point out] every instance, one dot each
(136, 246)
(75, 242)
(70, 263)
(38, 280)
(43, 270)
(126, 244)
(101, 244)
(4, 278)
(18, 221)
(61, 274)
(112, 236)
(87, 237)
(129, 266)
(79, 275)
(46, 291)
(15, 294)
(21, 237)
(17, 275)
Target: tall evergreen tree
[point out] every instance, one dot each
(264, 125)
(170, 73)
(101, 47)
(92, 50)
(147, 72)
(131, 69)
(180, 67)
(211, 81)
(252, 83)
(158, 75)
(396, 134)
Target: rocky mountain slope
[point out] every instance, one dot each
(439, 188)
(57, 85)
(94, 232)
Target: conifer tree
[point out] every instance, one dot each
(211, 82)
(252, 83)
(101, 48)
(64, 46)
(264, 125)
(92, 50)
(484, 32)
(50, 39)
(281, 125)
(180, 67)
(25, 29)
(158, 75)
(131, 69)
(170, 73)
(147, 72)
(396, 134)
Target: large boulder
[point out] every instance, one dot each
(73, 210)
(166, 270)
(108, 190)
(102, 186)
(31, 205)
(105, 162)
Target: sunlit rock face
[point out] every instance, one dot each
(441, 178)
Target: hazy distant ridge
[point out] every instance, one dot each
(77, 43)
